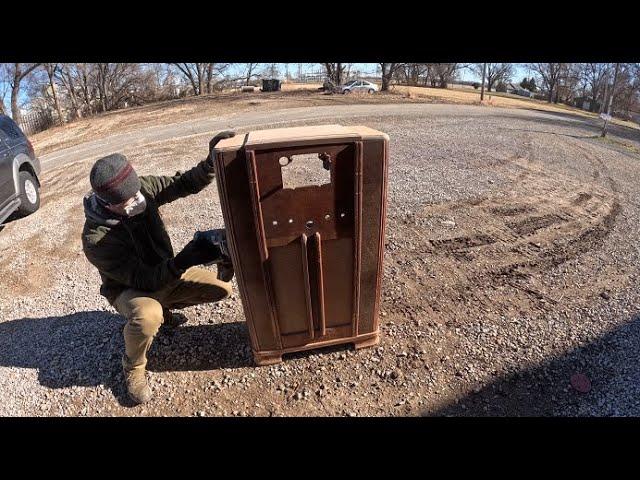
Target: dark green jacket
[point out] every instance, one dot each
(136, 252)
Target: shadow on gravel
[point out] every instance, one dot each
(592, 125)
(552, 133)
(84, 349)
(201, 347)
(11, 218)
(611, 362)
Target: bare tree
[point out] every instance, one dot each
(80, 89)
(117, 84)
(4, 86)
(17, 73)
(595, 77)
(413, 73)
(194, 73)
(271, 70)
(69, 77)
(388, 71)
(201, 76)
(444, 73)
(50, 69)
(335, 72)
(249, 71)
(163, 80)
(496, 73)
(550, 74)
(627, 96)
(85, 76)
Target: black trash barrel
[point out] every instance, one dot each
(270, 85)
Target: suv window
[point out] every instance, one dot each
(9, 127)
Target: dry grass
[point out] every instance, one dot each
(472, 97)
(292, 95)
(193, 108)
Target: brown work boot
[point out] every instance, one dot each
(137, 386)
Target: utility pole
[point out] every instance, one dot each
(484, 73)
(613, 91)
(613, 88)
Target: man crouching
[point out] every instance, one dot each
(125, 238)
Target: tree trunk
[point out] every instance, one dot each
(209, 77)
(490, 82)
(385, 77)
(77, 111)
(387, 74)
(15, 111)
(102, 87)
(334, 72)
(194, 85)
(55, 96)
(201, 82)
(103, 100)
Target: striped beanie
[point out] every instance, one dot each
(113, 179)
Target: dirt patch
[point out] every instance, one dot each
(505, 242)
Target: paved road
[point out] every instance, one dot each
(250, 120)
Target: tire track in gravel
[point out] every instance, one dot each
(507, 239)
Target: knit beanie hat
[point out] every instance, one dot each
(113, 179)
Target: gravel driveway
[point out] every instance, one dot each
(511, 264)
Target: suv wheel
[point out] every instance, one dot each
(29, 194)
(371, 90)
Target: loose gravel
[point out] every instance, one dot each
(511, 264)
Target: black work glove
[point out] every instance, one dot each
(197, 252)
(225, 271)
(214, 141)
(218, 239)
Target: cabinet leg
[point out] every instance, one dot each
(369, 342)
(263, 359)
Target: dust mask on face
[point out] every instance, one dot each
(136, 207)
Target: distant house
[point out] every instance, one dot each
(518, 90)
(585, 103)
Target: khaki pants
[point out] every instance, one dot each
(144, 310)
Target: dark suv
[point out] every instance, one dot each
(19, 170)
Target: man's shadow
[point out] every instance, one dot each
(85, 349)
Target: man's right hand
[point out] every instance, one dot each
(214, 141)
(197, 252)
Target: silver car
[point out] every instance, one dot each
(361, 86)
(19, 170)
